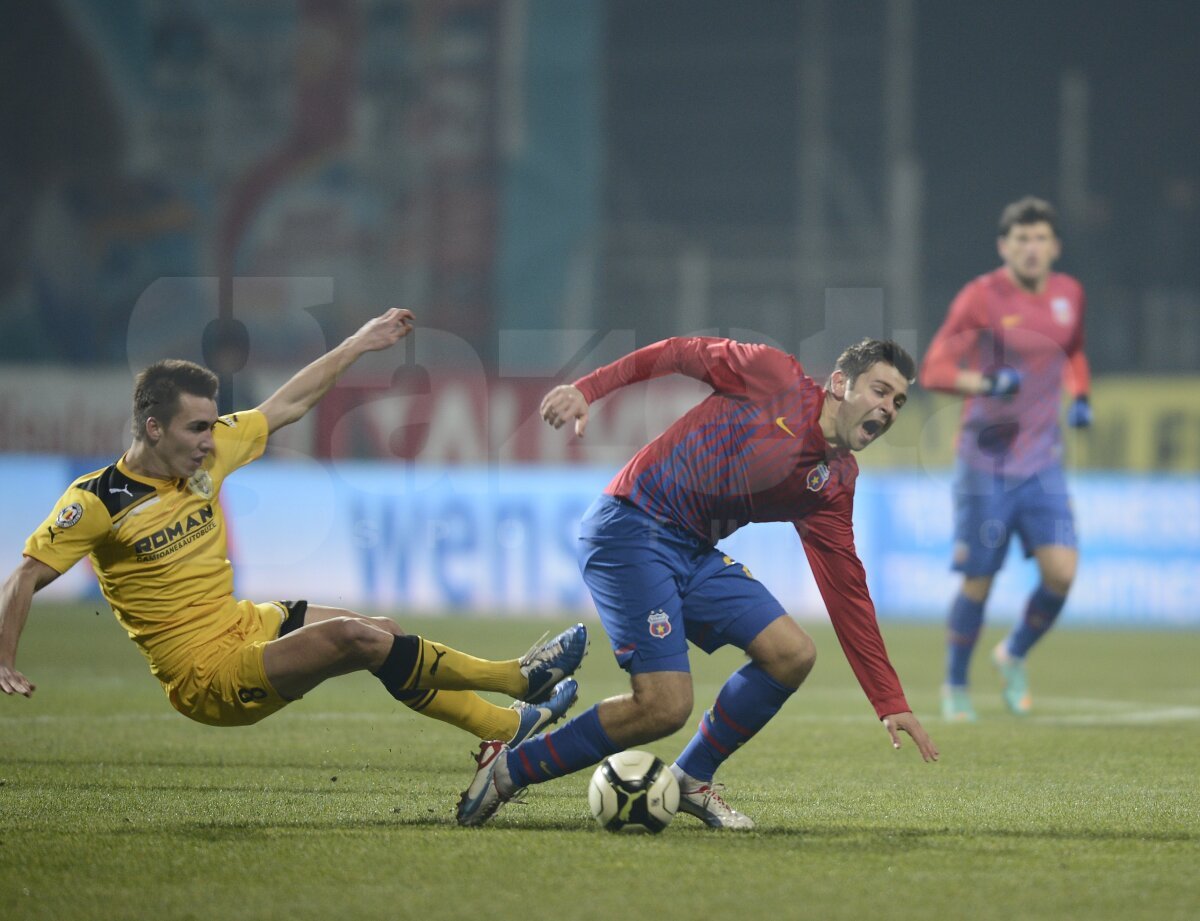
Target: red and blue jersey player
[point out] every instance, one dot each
(1012, 340)
(768, 444)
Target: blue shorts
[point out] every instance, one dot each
(656, 587)
(989, 509)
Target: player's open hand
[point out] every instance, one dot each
(906, 722)
(385, 330)
(13, 682)
(563, 404)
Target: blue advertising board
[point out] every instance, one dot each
(500, 540)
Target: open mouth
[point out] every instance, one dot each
(872, 427)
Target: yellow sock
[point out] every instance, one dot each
(467, 710)
(444, 668)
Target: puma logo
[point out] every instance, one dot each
(627, 800)
(124, 489)
(436, 662)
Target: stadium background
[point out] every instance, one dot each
(549, 183)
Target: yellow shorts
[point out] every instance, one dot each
(226, 684)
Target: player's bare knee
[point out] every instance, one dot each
(790, 663)
(356, 640)
(1059, 582)
(977, 588)
(663, 714)
(387, 625)
(799, 661)
(669, 717)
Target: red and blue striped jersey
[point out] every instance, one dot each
(753, 451)
(993, 322)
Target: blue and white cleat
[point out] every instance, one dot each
(1016, 680)
(546, 664)
(956, 704)
(536, 717)
(482, 798)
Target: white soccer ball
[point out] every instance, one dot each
(634, 791)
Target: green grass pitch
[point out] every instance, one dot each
(112, 806)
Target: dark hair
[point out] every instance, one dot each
(156, 391)
(1028, 210)
(858, 358)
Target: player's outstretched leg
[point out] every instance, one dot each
(491, 787)
(548, 663)
(782, 655)
(483, 719)
(415, 663)
(502, 772)
(744, 705)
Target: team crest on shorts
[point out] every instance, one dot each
(817, 477)
(69, 516)
(660, 623)
(201, 484)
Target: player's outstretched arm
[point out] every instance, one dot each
(300, 394)
(564, 403)
(906, 722)
(16, 595)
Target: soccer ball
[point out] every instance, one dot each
(634, 791)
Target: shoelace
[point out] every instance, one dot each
(528, 657)
(712, 793)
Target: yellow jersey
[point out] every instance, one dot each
(157, 546)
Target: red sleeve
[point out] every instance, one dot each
(1077, 374)
(828, 538)
(725, 365)
(951, 345)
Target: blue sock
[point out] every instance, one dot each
(744, 705)
(576, 744)
(962, 631)
(1040, 614)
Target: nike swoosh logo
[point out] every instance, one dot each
(781, 421)
(1013, 319)
(554, 676)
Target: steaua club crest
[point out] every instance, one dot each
(1060, 308)
(817, 477)
(69, 516)
(660, 623)
(201, 484)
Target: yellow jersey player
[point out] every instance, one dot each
(153, 528)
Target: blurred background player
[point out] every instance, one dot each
(1012, 339)
(153, 526)
(769, 444)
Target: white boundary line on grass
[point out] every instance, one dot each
(1130, 718)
